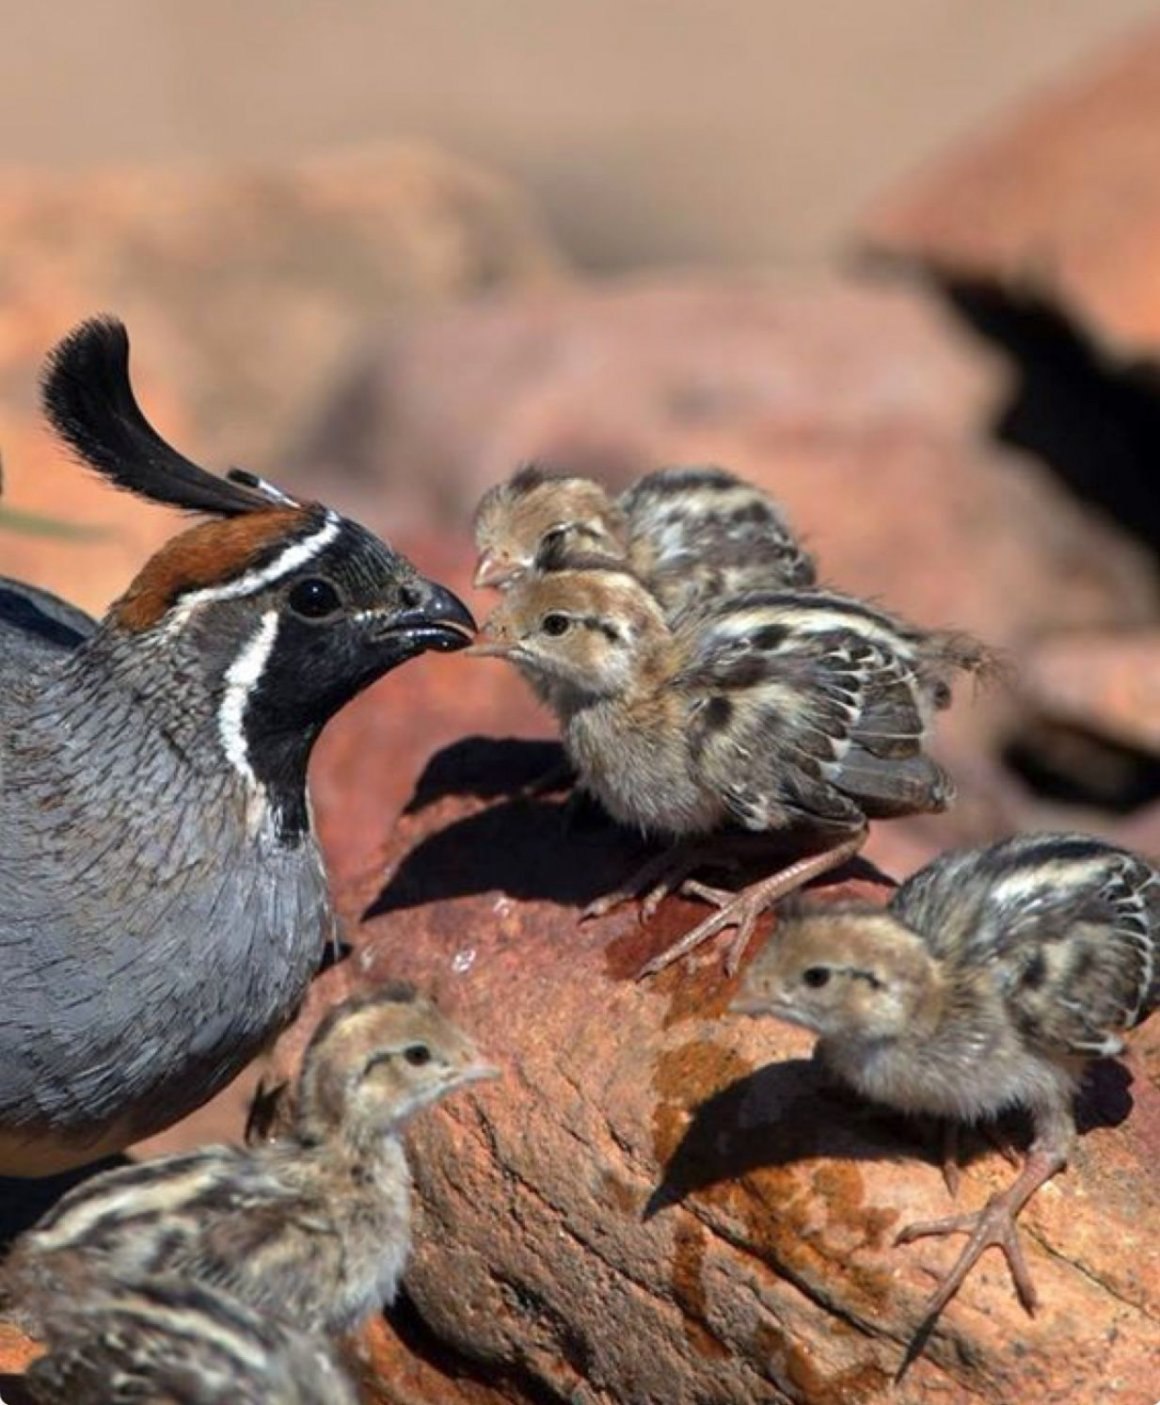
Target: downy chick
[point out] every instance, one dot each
(314, 1228)
(165, 1342)
(691, 534)
(989, 981)
(789, 710)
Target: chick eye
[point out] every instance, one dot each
(553, 535)
(417, 1054)
(816, 977)
(314, 599)
(555, 625)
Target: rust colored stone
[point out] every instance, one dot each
(1060, 198)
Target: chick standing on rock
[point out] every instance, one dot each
(314, 1229)
(988, 982)
(165, 1342)
(163, 904)
(691, 534)
(790, 710)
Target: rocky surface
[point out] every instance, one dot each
(1059, 199)
(660, 1202)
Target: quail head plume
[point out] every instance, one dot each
(313, 1228)
(692, 534)
(165, 1342)
(162, 898)
(785, 710)
(989, 981)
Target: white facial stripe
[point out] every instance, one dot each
(296, 554)
(241, 678)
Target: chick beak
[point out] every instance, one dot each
(432, 618)
(494, 570)
(478, 1071)
(491, 646)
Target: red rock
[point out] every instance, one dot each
(659, 1201)
(1060, 198)
(619, 376)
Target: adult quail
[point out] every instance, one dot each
(788, 710)
(693, 533)
(989, 981)
(162, 898)
(313, 1227)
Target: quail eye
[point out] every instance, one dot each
(417, 1054)
(555, 625)
(553, 535)
(314, 599)
(815, 977)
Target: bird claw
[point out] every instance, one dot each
(736, 910)
(991, 1227)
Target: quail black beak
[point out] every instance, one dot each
(431, 618)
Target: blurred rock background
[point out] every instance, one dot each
(900, 263)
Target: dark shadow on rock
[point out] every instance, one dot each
(23, 1202)
(524, 848)
(1093, 418)
(794, 1110)
(13, 1391)
(565, 851)
(488, 768)
(1104, 1099)
(782, 1113)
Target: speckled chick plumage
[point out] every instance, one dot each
(313, 1228)
(167, 1342)
(692, 534)
(989, 981)
(162, 897)
(790, 710)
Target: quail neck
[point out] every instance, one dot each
(235, 646)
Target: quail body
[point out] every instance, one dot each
(989, 981)
(313, 1228)
(162, 898)
(692, 534)
(774, 711)
(167, 1342)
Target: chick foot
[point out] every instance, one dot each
(655, 879)
(741, 910)
(992, 1226)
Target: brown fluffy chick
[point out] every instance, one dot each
(314, 1228)
(692, 534)
(165, 1342)
(789, 710)
(988, 982)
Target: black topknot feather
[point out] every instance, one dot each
(89, 401)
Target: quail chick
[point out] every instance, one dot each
(165, 1342)
(313, 1228)
(692, 534)
(988, 982)
(788, 710)
(163, 904)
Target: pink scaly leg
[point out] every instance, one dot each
(741, 910)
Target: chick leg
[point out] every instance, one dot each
(655, 879)
(741, 910)
(993, 1225)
